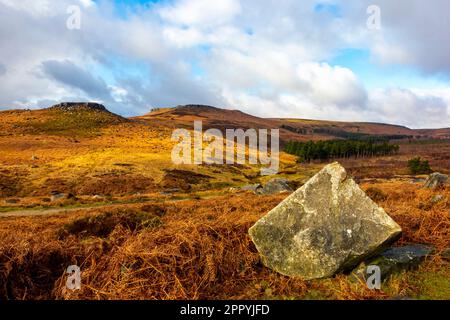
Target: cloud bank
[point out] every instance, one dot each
(268, 58)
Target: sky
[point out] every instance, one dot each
(313, 59)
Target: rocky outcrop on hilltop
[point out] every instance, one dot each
(73, 106)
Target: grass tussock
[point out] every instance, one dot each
(101, 225)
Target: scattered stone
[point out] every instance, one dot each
(436, 180)
(252, 187)
(173, 190)
(71, 196)
(395, 260)
(34, 158)
(275, 186)
(12, 201)
(126, 165)
(57, 196)
(446, 254)
(252, 176)
(327, 226)
(437, 198)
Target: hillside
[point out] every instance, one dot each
(69, 119)
(86, 119)
(212, 117)
(290, 129)
(436, 133)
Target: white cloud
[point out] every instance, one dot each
(387, 54)
(87, 3)
(34, 7)
(414, 109)
(414, 32)
(182, 38)
(201, 12)
(328, 85)
(264, 57)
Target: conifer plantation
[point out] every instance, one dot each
(339, 149)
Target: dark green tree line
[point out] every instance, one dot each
(338, 149)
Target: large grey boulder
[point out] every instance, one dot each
(327, 226)
(436, 180)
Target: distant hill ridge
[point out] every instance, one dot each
(290, 128)
(197, 107)
(79, 117)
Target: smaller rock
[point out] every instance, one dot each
(71, 196)
(252, 187)
(126, 165)
(34, 158)
(437, 198)
(12, 201)
(436, 180)
(57, 196)
(275, 186)
(395, 260)
(446, 254)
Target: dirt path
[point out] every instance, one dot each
(56, 211)
(44, 212)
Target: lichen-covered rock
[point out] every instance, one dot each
(436, 180)
(326, 226)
